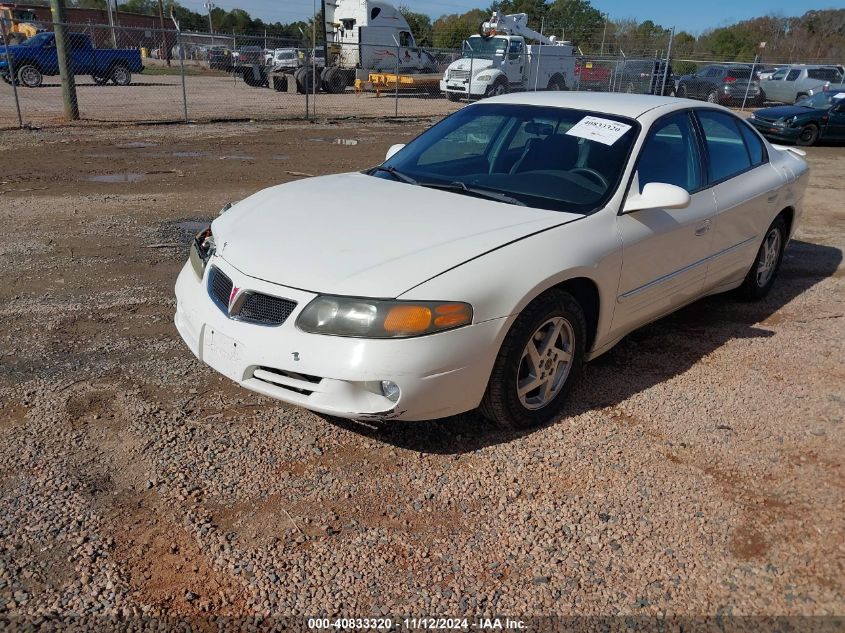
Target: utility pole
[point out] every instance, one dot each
(57, 9)
(111, 24)
(208, 7)
(164, 48)
(604, 34)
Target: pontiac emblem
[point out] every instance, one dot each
(232, 296)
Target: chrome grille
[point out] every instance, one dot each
(254, 307)
(219, 287)
(265, 309)
(458, 74)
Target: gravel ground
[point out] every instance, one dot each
(159, 98)
(698, 470)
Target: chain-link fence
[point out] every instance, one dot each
(124, 74)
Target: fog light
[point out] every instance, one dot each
(390, 390)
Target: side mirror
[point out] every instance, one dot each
(657, 195)
(393, 149)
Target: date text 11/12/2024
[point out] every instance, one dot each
(415, 623)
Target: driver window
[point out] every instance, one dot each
(469, 140)
(515, 50)
(405, 39)
(779, 74)
(670, 154)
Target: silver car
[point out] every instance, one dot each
(792, 83)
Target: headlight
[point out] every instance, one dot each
(483, 78)
(779, 123)
(376, 318)
(202, 248)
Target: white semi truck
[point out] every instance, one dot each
(499, 60)
(364, 36)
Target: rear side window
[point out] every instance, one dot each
(670, 154)
(756, 150)
(725, 145)
(824, 74)
(740, 73)
(793, 74)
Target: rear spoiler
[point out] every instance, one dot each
(794, 150)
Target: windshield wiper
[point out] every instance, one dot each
(396, 174)
(474, 191)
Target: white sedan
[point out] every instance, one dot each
(481, 264)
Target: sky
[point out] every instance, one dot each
(684, 16)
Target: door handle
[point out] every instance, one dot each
(773, 195)
(702, 228)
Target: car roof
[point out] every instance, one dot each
(632, 106)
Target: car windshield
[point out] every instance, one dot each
(819, 101)
(38, 40)
(479, 48)
(538, 156)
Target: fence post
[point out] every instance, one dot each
(666, 65)
(181, 64)
(11, 71)
(539, 52)
(396, 87)
(750, 79)
(469, 79)
(71, 105)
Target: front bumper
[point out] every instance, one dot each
(438, 375)
(767, 129)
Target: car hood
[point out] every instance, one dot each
(476, 65)
(353, 234)
(782, 112)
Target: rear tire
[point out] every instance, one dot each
(120, 75)
(766, 265)
(799, 96)
(539, 361)
(334, 80)
(30, 76)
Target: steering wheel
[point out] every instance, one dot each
(593, 175)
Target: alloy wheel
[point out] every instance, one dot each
(769, 255)
(545, 363)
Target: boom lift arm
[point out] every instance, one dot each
(514, 24)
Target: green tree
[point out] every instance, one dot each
(420, 25)
(449, 31)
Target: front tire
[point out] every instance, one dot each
(682, 92)
(766, 265)
(538, 363)
(453, 96)
(713, 96)
(808, 135)
(497, 88)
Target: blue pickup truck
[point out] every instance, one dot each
(37, 57)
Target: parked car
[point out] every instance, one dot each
(219, 58)
(826, 87)
(535, 230)
(721, 83)
(249, 56)
(792, 83)
(37, 57)
(644, 76)
(765, 72)
(593, 75)
(817, 118)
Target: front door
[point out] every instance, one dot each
(515, 67)
(665, 251)
(834, 130)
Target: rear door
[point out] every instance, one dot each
(665, 251)
(747, 191)
(835, 128)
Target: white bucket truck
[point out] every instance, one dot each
(499, 60)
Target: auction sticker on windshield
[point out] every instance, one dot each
(594, 128)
